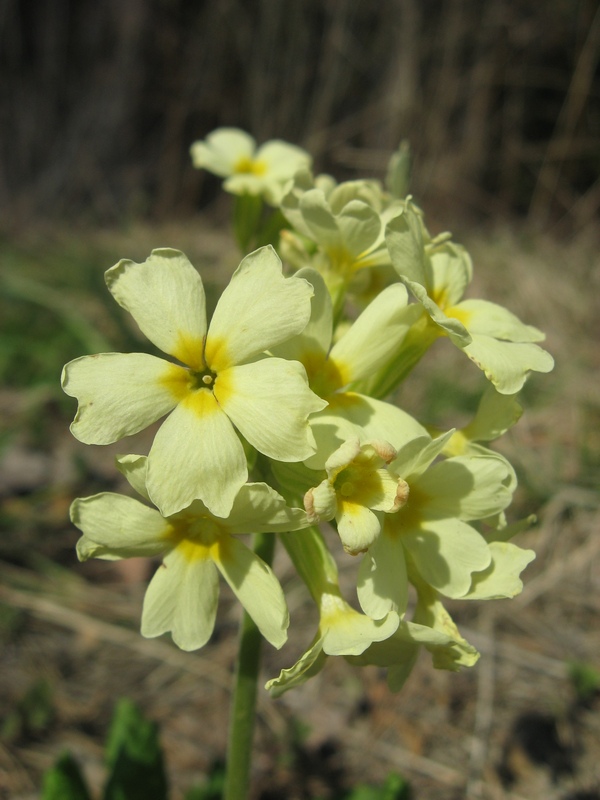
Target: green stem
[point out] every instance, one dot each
(243, 706)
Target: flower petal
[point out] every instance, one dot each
(404, 239)
(222, 150)
(258, 309)
(182, 599)
(259, 508)
(350, 415)
(452, 273)
(507, 364)
(269, 403)
(382, 580)
(119, 394)
(309, 664)
(321, 223)
(490, 319)
(348, 632)
(467, 487)
(431, 613)
(446, 552)
(315, 340)
(360, 227)
(256, 587)
(358, 526)
(453, 327)
(417, 454)
(372, 341)
(501, 578)
(118, 526)
(135, 469)
(196, 454)
(496, 413)
(166, 298)
(282, 159)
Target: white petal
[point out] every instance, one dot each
(404, 239)
(258, 310)
(496, 413)
(349, 633)
(452, 272)
(360, 227)
(222, 150)
(282, 160)
(320, 502)
(502, 577)
(358, 527)
(257, 589)
(467, 487)
(269, 403)
(430, 612)
(120, 526)
(315, 340)
(119, 394)
(382, 580)
(446, 552)
(350, 414)
(196, 454)
(453, 327)
(417, 455)
(165, 296)
(135, 469)
(182, 599)
(507, 364)
(309, 664)
(490, 319)
(259, 508)
(319, 220)
(372, 341)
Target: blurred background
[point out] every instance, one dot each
(500, 103)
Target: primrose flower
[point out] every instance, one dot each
(357, 491)
(222, 382)
(437, 273)
(364, 349)
(232, 154)
(435, 630)
(342, 632)
(196, 545)
(431, 533)
(495, 414)
(346, 222)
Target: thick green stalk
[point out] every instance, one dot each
(243, 705)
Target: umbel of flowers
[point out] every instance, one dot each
(278, 419)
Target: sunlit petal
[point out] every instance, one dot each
(165, 296)
(182, 599)
(119, 394)
(196, 454)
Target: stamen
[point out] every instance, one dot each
(207, 379)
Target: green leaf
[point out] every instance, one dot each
(64, 781)
(134, 757)
(213, 788)
(394, 788)
(585, 679)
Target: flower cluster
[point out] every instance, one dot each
(277, 419)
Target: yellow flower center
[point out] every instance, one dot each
(324, 375)
(249, 166)
(199, 537)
